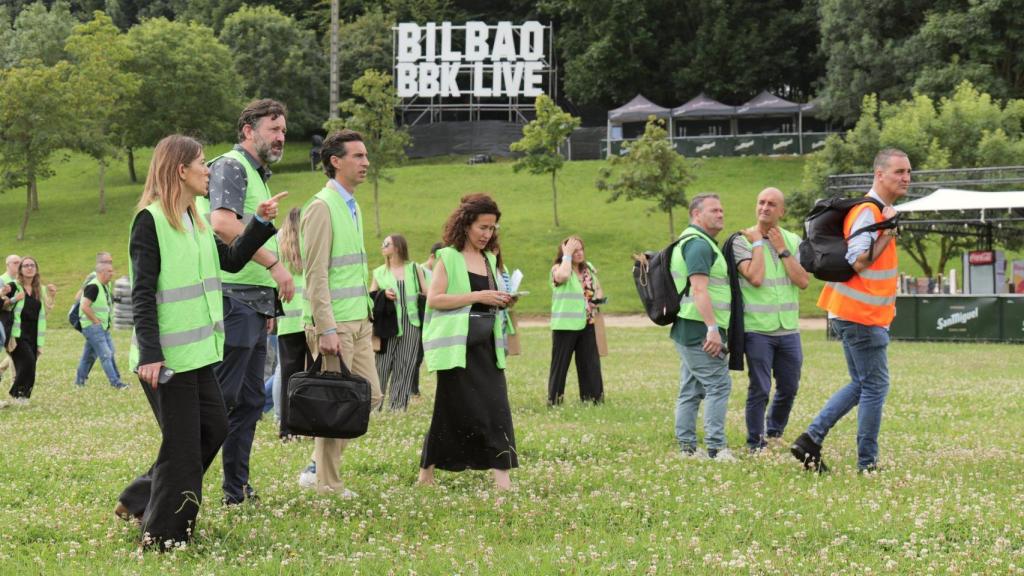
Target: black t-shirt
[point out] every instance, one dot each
(92, 292)
(30, 309)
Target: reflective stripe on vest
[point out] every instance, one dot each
(256, 191)
(445, 331)
(775, 305)
(387, 281)
(568, 303)
(869, 298)
(291, 322)
(347, 274)
(718, 280)
(189, 305)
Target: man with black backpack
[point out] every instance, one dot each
(701, 276)
(860, 311)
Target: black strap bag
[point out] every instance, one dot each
(328, 404)
(823, 251)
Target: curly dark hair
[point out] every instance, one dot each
(471, 207)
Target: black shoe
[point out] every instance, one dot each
(808, 452)
(871, 469)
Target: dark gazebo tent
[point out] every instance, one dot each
(704, 116)
(762, 114)
(636, 110)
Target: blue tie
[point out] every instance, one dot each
(352, 208)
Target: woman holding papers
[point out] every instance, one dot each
(576, 293)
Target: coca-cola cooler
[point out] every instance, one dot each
(985, 272)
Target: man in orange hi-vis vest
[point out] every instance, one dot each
(860, 311)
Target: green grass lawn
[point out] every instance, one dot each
(600, 489)
(67, 231)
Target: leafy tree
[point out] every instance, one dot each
(650, 170)
(101, 90)
(39, 34)
(34, 124)
(278, 59)
(374, 118)
(541, 141)
(188, 85)
(365, 44)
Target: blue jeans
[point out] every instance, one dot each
(98, 346)
(702, 377)
(768, 355)
(865, 350)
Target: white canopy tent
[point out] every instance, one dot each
(946, 199)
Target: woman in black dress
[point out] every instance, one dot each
(28, 332)
(465, 344)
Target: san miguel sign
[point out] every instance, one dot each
(481, 60)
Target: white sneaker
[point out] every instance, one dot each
(307, 478)
(19, 401)
(724, 455)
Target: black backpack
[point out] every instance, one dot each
(654, 284)
(74, 316)
(823, 251)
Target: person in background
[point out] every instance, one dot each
(8, 300)
(101, 258)
(28, 332)
(575, 290)
(292, 352)
(402, 282)
(175, 268)
(96, 307)
(471, 426)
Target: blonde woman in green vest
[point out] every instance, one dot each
(464, 342)
(291, 335)
(175, 264)
(575, 289)
(402, 282)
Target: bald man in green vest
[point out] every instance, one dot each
(771, 279)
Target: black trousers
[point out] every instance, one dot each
(582, 343)
(24, 358)
(190, 412)
(240, 376)
(291, 357)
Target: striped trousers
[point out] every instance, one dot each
(397, 365)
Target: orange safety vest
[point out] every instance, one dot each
(869, 297)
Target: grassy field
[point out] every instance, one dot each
(67, 231)
(600, 489)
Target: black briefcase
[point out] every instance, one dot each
(328, 404)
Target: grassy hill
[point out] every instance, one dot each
(68, 230)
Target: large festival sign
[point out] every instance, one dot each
(477, 60)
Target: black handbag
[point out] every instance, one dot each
(328, 404)
(421, 298)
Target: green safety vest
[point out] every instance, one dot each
(291, 322)
(446, 331)
(568, 306)
(256, 191)
(101, 307)
(189, 304)
(40, 325)
(775, 305)
(718, 281)
(347, 273)
(385, 279)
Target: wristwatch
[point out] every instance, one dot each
(785, 254)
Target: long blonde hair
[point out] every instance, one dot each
(163, 183)
(288, 241)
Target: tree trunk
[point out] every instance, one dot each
(35, 195)
(28, 204)
(131, 165)
(671, 226)
(103, 187)
(554, 196)
(376, 205)
(333, 112)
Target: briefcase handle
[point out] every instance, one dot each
(317, 366)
